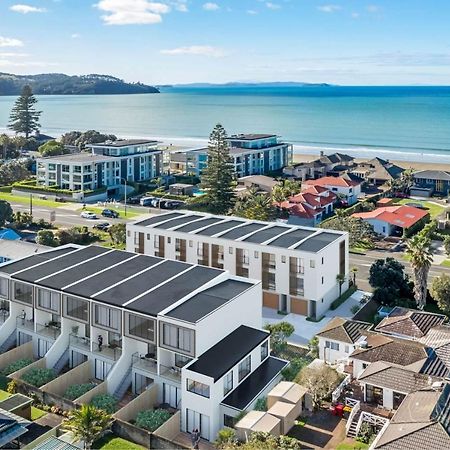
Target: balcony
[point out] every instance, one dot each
(80, 342)
(50, 329)
(24, 323)
(172, 373)
(144, 362)
(108, 351)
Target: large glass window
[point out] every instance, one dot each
(228, 383)
(23, 292)
(105, 316)
(178, 338)
(332, 345)
(296, 286)
(49, 300)
(244, 368)
(141, 327)
(264, 350)
(374, 394)
(76, 308)
(198, 388)
(4, 287)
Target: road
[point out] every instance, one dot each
(363, 263)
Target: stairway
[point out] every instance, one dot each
(123, 386)
(9, 343)
(62, 361)
(352, 430)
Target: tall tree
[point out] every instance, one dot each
(419, 250)
(6, 213)
(218, 178)
(254, 206)
(52, 148)
(440, 291)
(24, 118)
(87, 424)
(340, 280)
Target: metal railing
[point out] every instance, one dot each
(144, 363)
(108, 351)
(49, 329)
(24, 323)
(80, 342)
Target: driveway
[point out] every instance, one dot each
(305, 330)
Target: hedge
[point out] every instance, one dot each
(343, 297)
(5, 189)
(38, 376)
(16, 365)
(77, 390)
(106, 402)
(152, 419)
(32, 186)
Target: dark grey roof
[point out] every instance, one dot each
(220, 227)
(202, 304)
(198, 224)
(318, 242)
(432, 175)
(16, 400)
(124, 143)
(292, 238)
(232, 349)
(243, 231)
(254, 384)
(265, 235)
(160, 218)
(175, 222)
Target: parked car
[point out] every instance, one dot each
(88, 215)
(134, 200)
(102, 226)
(110, 213)
(174, 204)
(146, 201)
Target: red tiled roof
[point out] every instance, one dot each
(332, 181)
(402, 216)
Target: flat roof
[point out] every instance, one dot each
(124, 143)
(207, 301)
(160, 218)
(254, 384)
(82, 157)
(231, 349)
(250, 136)
(274, 234)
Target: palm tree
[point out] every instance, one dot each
(87, 424)
(340, 278)
(419, 250)
(354, 271)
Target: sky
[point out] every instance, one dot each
(347, 42)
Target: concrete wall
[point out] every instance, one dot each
(146, 400)
(78, 375)
(170, 429)
(101, 388)
(132, 433)
(24, 351)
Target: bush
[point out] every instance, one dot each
(106, 402)
(261, 404)
(338, 302)
(77, 390)
(291, 371)
(226, 437)
(16, 365)
(152, 419)
(366, 433)
(38, 377)
(12, 387)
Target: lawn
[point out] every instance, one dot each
(37, 413)
(446, 263)
(131, 212)
(433, 208)
(3, 395)
(111, 442)
(353, 445)
(26, 200)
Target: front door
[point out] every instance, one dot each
(172, 395)
(43, 347)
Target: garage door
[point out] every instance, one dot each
(270, 300)
(299, 306)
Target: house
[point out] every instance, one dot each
(377, 171)
(310, 206)
(297, 265)
(106, 166)
(431, 182)
(345, 187)
(252, 154)
(181, 189)
(335, 164)
(420, 422)
(191, 331)
(260, 183)
(11, 250)
(394, 220)
(409, 323)
(339, 338)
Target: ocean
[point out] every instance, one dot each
(398, 123)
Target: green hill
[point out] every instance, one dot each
(60, 84)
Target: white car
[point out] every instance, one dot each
(88, 215)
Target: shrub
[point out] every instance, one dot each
(38, 377)
(297, 364)
(77, 390)
(261, 404)
(226, 437)
(12, 387)
(152, 419)
(16, 365)
(366, 433)
(106, 402)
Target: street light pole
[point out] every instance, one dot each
(125, 180)
(31, 204)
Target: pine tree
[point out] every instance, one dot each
(24, 118)
(218, 178)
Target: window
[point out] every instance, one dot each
(332, 345)
(169, 240)
(374, 394)
(256, 255)
(312, 263)
(156, 241)
(191, 243)
(244, 368)
(296, 265)
(228, 383)
(296, 286)
(268, 281)
(264, 350)
(48, 300)
(229, 421)
(77, 309)
(199, 249)
(347, 349)
(178, 338)
(105, 316)
(141, 327)
(322, 260)
(148, 237)
(181, 361)
(23, 292)
(230, 250)
(283, 259)
(323, 280)
(198, 388)
(3, 287)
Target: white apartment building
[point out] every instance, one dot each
(106, 166)
(193, 331)
(297, 265)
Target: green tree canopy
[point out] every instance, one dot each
(218, 178)
(13, 171)
(46, 237)
(6, 213)
(255, 206)
(24, 117)
(118, 233)
(81, 139)
(440, 291)
(279, 332)
(361, 233)
(52, 148)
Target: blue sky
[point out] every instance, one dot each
(352, 42)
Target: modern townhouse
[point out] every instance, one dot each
(252, 154)
(193, 331)
(297, 265)
(106, 166)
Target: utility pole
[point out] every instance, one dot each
(31, 204)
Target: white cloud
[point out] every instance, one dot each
(12, 55)
(252, 12)
(199, 50)
(329, 8)
(271, 5)
(10, 42)
(9, 63)
(373, 9)
(181, 6)
(129, 12)
(355, 15)
(75, 36)
(25, 9)
(210, 6)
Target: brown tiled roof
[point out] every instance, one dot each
(344, 330)
(409, 322)
(437, 336)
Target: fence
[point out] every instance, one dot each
(338, 391)
(356, 406)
